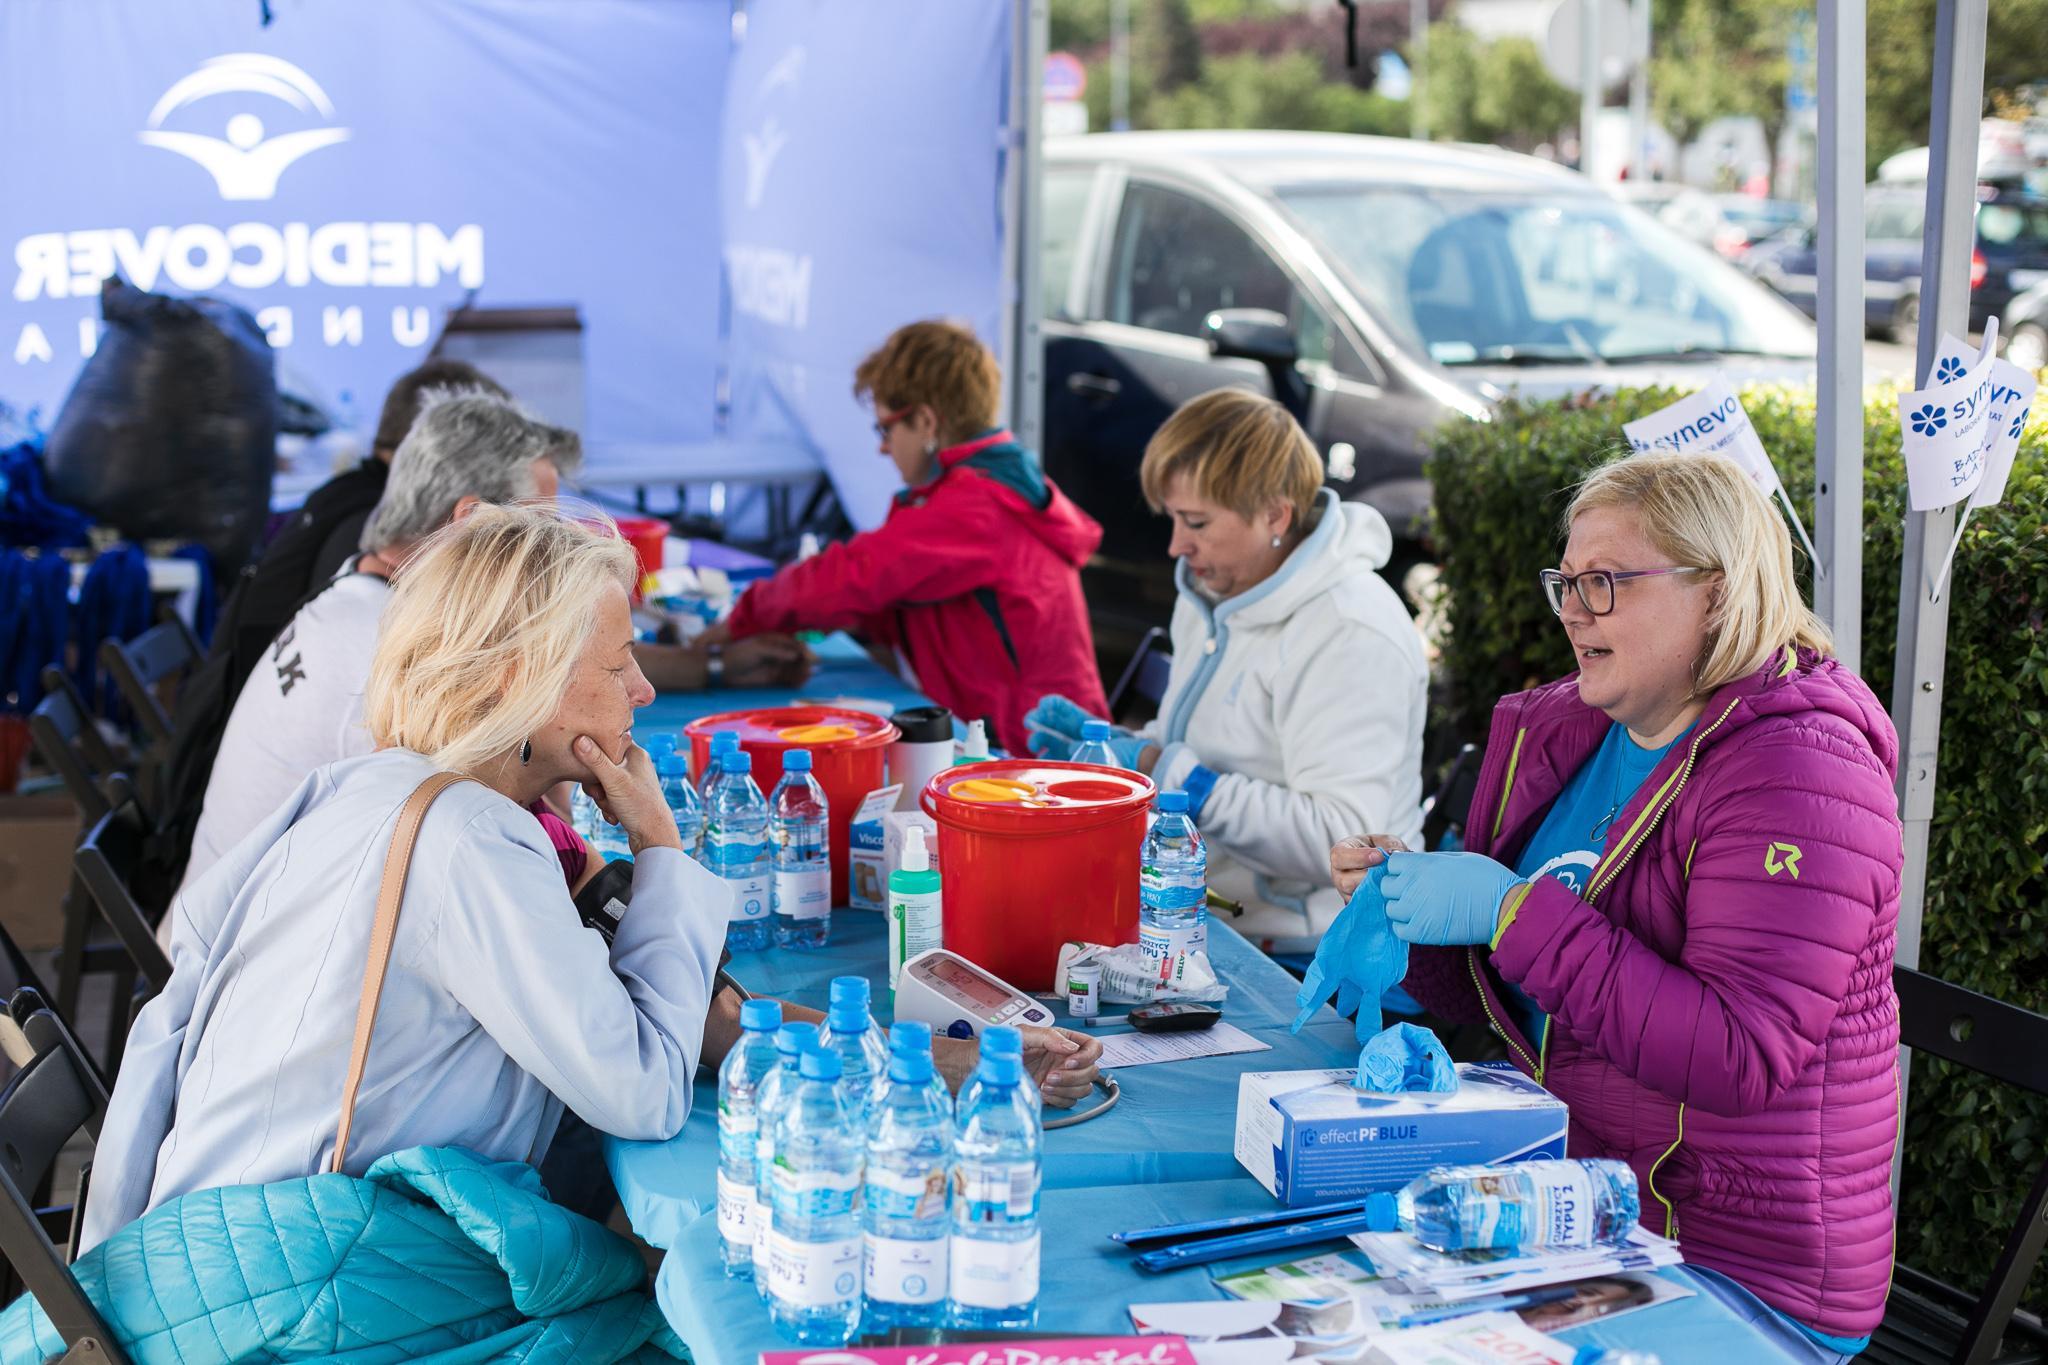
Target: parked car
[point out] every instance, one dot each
(2010, 255)
(2025, 323)
(1378, 286)
(1729, 223)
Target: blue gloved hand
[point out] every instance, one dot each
(1055, 725)
(1358, 959)
(1405, 1057)
(1445, 898)
(1126, 746)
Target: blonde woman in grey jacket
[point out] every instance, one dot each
(1298, 687)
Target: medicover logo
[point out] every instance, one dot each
(244, 163)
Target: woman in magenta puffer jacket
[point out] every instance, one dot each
(1680, 897)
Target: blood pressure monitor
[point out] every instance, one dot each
(959, 999)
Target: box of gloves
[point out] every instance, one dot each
(1309, 1137)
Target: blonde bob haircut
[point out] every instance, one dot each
(484, 627)
(1702, 512)
(1237, 449)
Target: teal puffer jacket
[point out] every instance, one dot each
(435, 1254)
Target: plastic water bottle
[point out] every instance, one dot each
(1173, 883)
(907, 1036)
(800, 831)
(863, 1049)
(659, 744)
(740, 1078)
(778, 1088)
(1527, 1204)
(1001, 1040)
(584, 816)
(723, 742)
(1094, 747)
(814, 1254)
(993, 1275)
(682, 801)
(904, 1221)
(736, 848)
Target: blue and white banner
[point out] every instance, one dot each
(352, 170)
(862, 189)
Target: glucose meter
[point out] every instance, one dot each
(959, 999)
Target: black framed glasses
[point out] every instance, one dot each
(1595, 587)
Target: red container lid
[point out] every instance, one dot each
(1034, 796)
(799, 727)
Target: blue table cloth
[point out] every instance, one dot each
(1176, 1121)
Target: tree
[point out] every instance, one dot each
(1291, 91)
(1516, 101)
(1165, 44)
(1450, 76)
(1714, 58)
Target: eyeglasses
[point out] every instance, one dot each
(886, 420)
(1595, 587)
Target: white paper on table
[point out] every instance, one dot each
(1710, 422)
(1943, 428)
(1142, 1049)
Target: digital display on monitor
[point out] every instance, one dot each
(967, 983)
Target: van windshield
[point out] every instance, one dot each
(1473, 278)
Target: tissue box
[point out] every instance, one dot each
(1308, 1136)
(893, 825)
(867, 874)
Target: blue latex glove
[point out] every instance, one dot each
(1358, 959)
(1445, 898)
(1405, 1057)
(1055, 725)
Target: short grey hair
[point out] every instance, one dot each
(463, 444)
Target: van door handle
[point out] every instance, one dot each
(1099, 386)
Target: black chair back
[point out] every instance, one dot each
(164, 652)
(110, 860)
(1926, 1319)
(1450, 806)
(73, 748)
(1144, 677)
(42, 1108)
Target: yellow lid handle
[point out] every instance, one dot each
(816, 734)
(992, 789)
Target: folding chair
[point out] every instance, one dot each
(110, 862)
(1144, 677)
(1927, 1321)
(66, 739)
(1450, 806)
(47, 1102)
(163, 653)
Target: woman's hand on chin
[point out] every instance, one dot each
(629, 794)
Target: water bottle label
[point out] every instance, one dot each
(735, 1211)
(997, 1192)
(1162, 944)
(994, 1274)
(1565, 1215)
(762, 1221)
(737, 1135)
(813, 1274)
(906, 1195)
(1175, 895)
(898, 1271)
(804, 895)
(815, 1194)
(749, 897)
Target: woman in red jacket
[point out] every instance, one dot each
(974, 578)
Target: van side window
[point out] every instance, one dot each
(1177, 260)
(1065, 205)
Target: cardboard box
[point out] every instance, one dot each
(1308, 1136)
(37, 836)
(867, 874)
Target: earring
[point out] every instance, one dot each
(1276, 542)
(931, 447)
(526, 751)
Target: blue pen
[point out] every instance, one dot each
(1492, 1303)
(1273, 1239)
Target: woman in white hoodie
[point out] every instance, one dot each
(1298, 688)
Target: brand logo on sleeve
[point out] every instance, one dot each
(1782, 858)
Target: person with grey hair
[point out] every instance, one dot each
(302, 705)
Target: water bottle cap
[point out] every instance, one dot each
(847, 1018)
(910, 1035)
(846, 989)
(724, 742)
(736, 761)
(911, 1068)
(1001, 1070)
(819, 1065)
(796, 760)
(672, 764)
(658, 744)
(793, 1040)
(1000, 1040)
(1092, 730)
(1173, 803)
(761, 1016)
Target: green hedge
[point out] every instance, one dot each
(1971, 1147)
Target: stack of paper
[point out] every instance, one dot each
(1483, 1339)
(1457, 1275)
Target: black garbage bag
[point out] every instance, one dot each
(171, 430)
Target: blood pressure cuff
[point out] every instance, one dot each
(602, 903)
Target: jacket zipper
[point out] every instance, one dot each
(1535, 1067)
(1600, 884)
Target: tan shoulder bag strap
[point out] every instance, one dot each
(390, 895)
